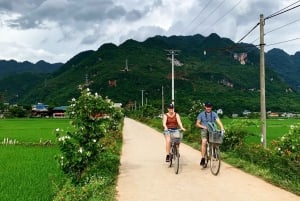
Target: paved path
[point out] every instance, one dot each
(144, 176)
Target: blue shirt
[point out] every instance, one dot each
(205, 117)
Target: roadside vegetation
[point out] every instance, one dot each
(89, 144)
(32, 151)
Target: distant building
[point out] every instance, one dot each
(235, 115)
(246, 112)
(40, 110)
(59, 112)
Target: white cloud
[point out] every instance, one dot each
(56, 30)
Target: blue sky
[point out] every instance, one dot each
(56, 30)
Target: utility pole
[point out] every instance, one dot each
(173, 52)
(86, 79)
(162, 100)
(142, 97)
(262, 83)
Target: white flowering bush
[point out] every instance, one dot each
(289, 144)
(93, 117)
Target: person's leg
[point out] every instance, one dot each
(168, 146)
(168, 143)
(203, 146)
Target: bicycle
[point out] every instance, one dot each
(176, 137)
(213, 156)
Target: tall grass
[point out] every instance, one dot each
(29, 172)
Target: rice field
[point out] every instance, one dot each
(275, 128)
(29, 171)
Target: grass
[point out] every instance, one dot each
(29, 172)
(31, 130)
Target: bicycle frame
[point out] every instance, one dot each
(213, 157)
(174, 151)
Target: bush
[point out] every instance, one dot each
(288, 145)
(93, 120)
(236, 134)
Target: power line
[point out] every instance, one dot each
(229, 11)
(283, 41)
(270, 16)
(248, 33)
(209, 1)
(283, 10)
(277, 29)
(210, 14)
(282, 26)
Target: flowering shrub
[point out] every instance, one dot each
(93, 117)
(289, 144)
(236, 134)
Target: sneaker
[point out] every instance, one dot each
(168, 158)
(202, 162)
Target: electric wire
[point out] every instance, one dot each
(283, 10)
(275, 29)
(283, 41)
(209, 1)
(229, 11)
(210, 14)
(283, 26)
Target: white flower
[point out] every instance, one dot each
(57, 130)
(87, 89)
(96, 94)
(94, 140)
(63, 138)
(73, 99)
(72, 112)
(80, 150)
(279, 148)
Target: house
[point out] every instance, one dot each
(40, 110)
(59, 112)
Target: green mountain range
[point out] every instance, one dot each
(138, 73)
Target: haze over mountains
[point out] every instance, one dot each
(206, 68)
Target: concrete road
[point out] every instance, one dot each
(144, 175)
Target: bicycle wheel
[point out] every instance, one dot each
(215, 160)
(176, 159)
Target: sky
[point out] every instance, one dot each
(57, 30)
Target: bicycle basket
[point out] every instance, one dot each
(215, 137)
(176, 134)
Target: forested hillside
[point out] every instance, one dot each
(206, 68)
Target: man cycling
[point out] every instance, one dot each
(203, 119)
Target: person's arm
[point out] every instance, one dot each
(165, 122)
(179, 122)
(199, 125)
(198, 122)
(219, 122)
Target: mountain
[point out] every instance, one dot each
(287, 66)
(12, 67)
(206, 68)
